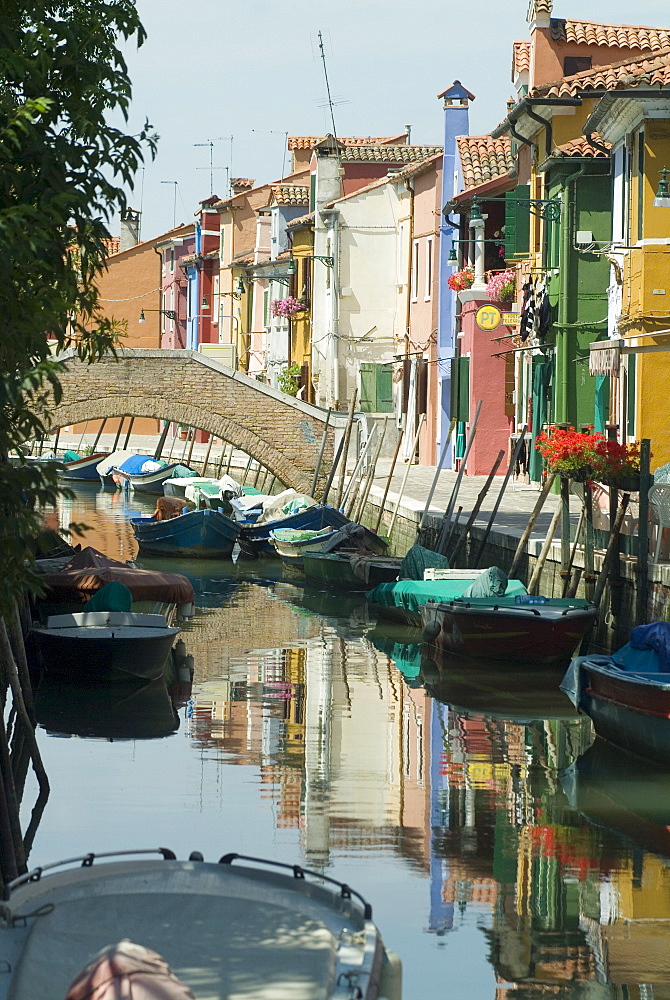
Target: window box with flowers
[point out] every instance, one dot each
(287, 307)
(501, 285)
(460, 280)
(585, 456)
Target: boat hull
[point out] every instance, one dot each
(84, 470)
(95, 651)
(402, 601)
(201, 534)
(255, 538)
(146, 482)
(334, 571)
(523, 634)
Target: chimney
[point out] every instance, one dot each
(408, 130)
(129, 231)
(240, 184)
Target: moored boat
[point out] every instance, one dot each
(517, 628)
(244, 927)
(627, 695)
(104, 645)
(202, 534)
(144, 474)
(255, 535)
(84, 469)
(403, 600)
(349, 570)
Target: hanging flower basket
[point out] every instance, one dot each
(627, 484)
(460, 280)
(501, 285)
(286, 307)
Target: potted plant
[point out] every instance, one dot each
(288, 379)
(501, 285)
(460, 280)
(583, 456)
(286, 307)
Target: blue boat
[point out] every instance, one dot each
(83, 469)
(130, 473)
(201, 534)
(627, 695)
(255, 538)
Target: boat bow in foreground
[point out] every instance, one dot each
(258, 929)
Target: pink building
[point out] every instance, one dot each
(174, 247)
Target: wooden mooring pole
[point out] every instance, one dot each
(642, 568)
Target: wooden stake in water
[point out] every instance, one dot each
(446, 517)
(388, 481)
(345, 455)
(317, 467)
(371, 473)
(438, 470)
(542, 558)
(422, 417)
(523, 541)
(475, 510)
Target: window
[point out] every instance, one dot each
(172, 260)
(163, 316)
(429, 269)
(414, 288)
(517, 222)
(215, 296)
(401, 259)
(576, 64)
(376, 388)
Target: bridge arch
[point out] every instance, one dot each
(186, 387)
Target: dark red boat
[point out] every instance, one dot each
(521, 629)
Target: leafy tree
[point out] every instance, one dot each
(288, 379)
(63, 171)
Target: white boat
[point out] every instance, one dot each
(258, 929)
(102, 645)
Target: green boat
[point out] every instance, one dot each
(348, 570)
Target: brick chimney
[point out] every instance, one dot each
(241, 184)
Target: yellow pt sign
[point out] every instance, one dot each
(488, 318)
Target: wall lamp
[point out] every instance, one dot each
(169, 313)
(662, 199)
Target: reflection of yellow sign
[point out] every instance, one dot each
(488, 318)
(511, 319)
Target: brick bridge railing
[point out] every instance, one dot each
(282, 433)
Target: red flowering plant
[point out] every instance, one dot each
(460, 280)
(584, 455)
(501, 285)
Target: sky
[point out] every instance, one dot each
(212, 69)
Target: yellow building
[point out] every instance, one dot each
(302, 236)
(635, 119)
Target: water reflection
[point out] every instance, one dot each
(504, 854)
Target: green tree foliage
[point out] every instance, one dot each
(63, 170)
(288, 379)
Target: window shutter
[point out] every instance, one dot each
(517, 222)
(368, 387)
(463, 404)
(384, 388)
(422, 387)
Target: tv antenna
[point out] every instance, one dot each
(174, 202)
(329, 101)
(276, 131)
(212, 168)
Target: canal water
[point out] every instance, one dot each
(502, 853)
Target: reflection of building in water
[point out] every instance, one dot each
(339, 738)
(574, 911)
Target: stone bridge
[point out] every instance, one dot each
(187, 387)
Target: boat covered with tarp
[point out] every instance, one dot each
(404, 600)
(144, 921)
(88, 570)
(627, 695)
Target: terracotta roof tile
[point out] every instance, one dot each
(302, 220)
(623, 36)
(289, 194)
(520, 58)
(389, 154)
(650, 70)
(483, 158)
(581, 148)
(112, 245)
(242, 183)
(309, 141)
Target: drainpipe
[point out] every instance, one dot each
(562, 340)
(548, 127)
(334, 303)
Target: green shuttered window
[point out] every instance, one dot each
(376, 388)
(517, 222)
(460, 389)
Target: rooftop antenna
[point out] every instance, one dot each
(325, 75)
(174, 203)
(276, 131)
(212, 168)
(139, 227)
